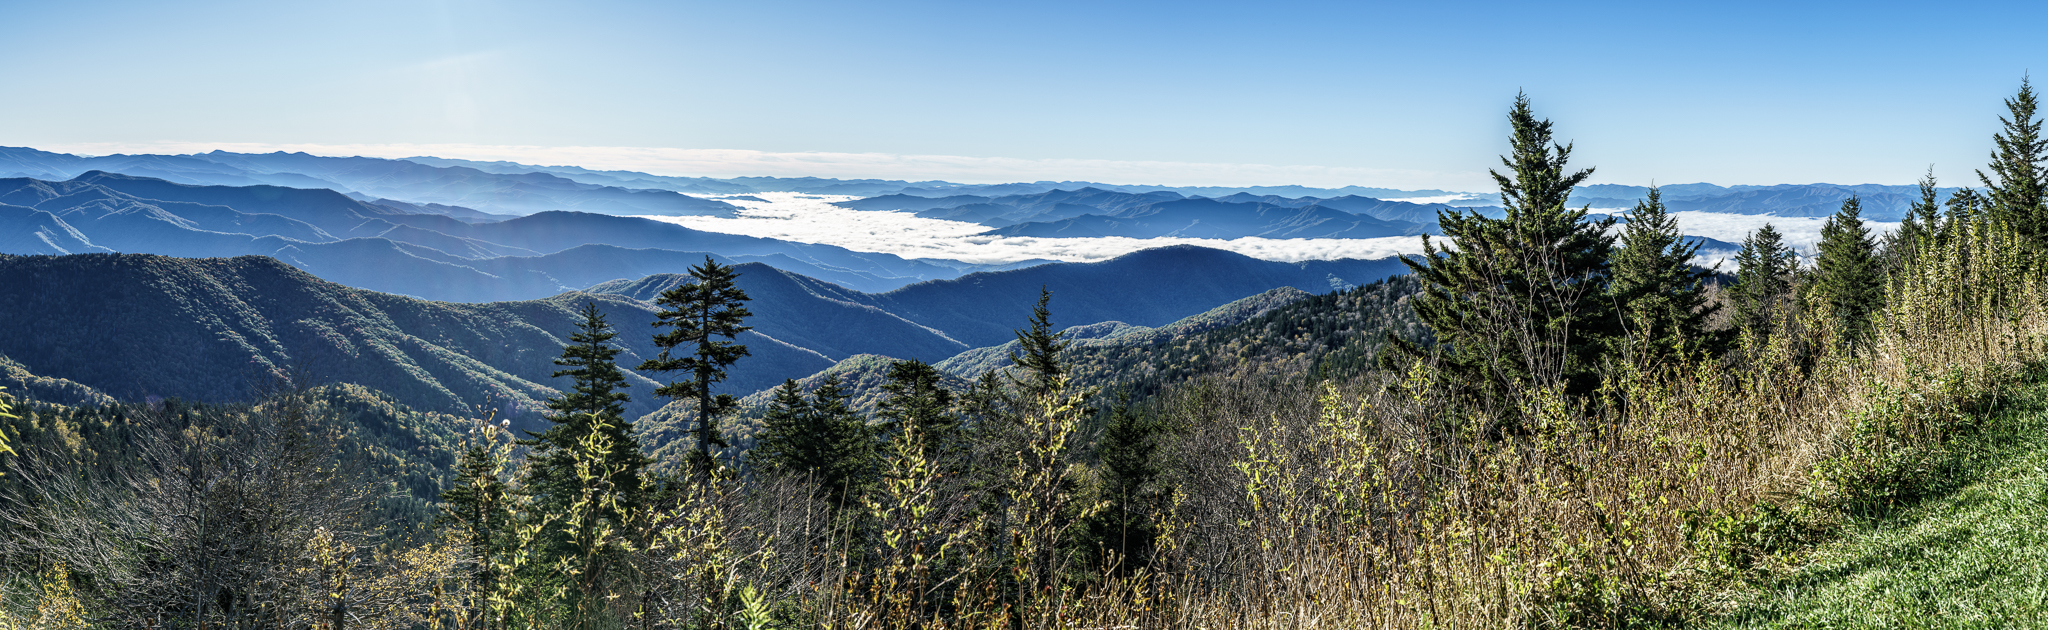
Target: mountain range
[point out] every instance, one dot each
(393, 248)
(1095, 212)
(468, 188)
(207, 329)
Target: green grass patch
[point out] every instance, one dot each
(1975, 556)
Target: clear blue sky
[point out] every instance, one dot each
(1726, 92)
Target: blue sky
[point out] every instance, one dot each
(1390, 94)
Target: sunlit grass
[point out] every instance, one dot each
(1976, 557)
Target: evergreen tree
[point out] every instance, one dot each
(1663, 296)
(585, 474)
(1039, 350)
(2015, 186)
(1848, 277)
(1521, 300)
(1126, 530)
(786, 432)
(1920, 229)
(1964, 207)
(849, 460)
(705, 316)
(1763, 278)
(592, 404)
(916, 396)
(478, 507)
(821, 437)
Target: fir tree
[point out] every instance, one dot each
(1920, 229)
(1847, 274)
(1763, 278)
(705, 316)
(592, 404)
(1039, 350)
(821, 437)
(2015, 186)
(1663, 296)
(916, 395)
(848, 462)
(1126, 530)
(1521, 300)
(477, 506)
(585, 473)
(786, 427)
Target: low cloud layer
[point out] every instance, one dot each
(813, 219)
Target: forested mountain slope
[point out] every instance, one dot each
(1153, 287)
(136, 326)
(1334, 335)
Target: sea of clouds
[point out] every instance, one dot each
(811, 218)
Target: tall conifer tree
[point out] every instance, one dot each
(585, 473)
(915, 395)
(704, 316)
(1846, 272)
(821, 437)
(1920, 229)
(592, 404)
(2015, 186)
(1521, 300)
(1039, 349)
(1763, 277)
(1663, 296)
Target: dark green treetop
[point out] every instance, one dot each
(592, 396)
(916, 397)
(2015, 187)
(703, 317)
(1847, 275)
(1521, 300)
(1039, 349)
(821, 437)
(1763, 278)
(590, 360)
(1663, 296)
(1920, 229)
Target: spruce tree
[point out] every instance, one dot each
(787, 432)
(2015, 186)
(1920, 229)
(1763, 278)
(592, 404)
(585, 473)
(1126, 530)
(478, 507)
(704, 316)
(1038, 350)
(1847, 274)
(1663, 296)
(848, 463)
(1521, 300)
(821, 437)
(915, 396)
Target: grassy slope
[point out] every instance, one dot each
(1973, 558)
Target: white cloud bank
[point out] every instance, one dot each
(813, 219)
(954, 168)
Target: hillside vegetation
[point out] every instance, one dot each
(1552, 422)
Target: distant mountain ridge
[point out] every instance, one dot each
(1094, 212)
(388, 247)
(413, 182)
